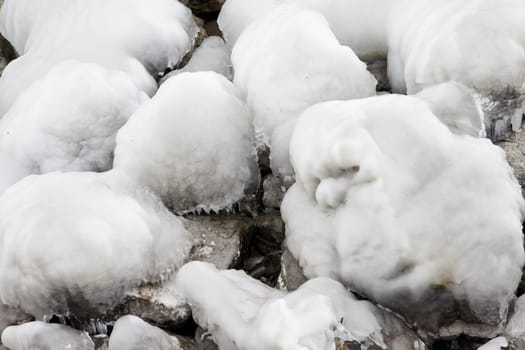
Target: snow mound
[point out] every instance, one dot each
(457, 107)
(194, 155)
(212, 55)
(307, 65)
(479, 43)
(41, 335)
(66, 121)
(132, 333)
(388, 200)
(243, 313)
(78, 241)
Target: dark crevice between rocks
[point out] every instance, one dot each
(462, 342)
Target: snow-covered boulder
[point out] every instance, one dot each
(479, 43)
(132, 333)
(11, 316)
(66, 121)
(45, 336)
(195, 155)
(76, 242)
(243, 313)
(397, 207)
(515, 330)
(212, 55)
(299, 63)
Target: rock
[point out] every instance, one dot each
(101, 341)
(378, 70)
(132, 333)
(161, 306)
(204, 6)
(10, 316)
(515, 330)
(221, 239)
(204, 340)
(43, 336)
(503, 112)
(7, 52)
(514, 147)
(273, 191)
(291, 276)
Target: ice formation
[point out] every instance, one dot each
(499, 343)
(41, 335)
(78, 241)
(132, 333)
(194, 155)
(388, 200)
(243, 313)
(66, 121)
(212, 55)
(456, 106)
(480, 43)
(307, 65)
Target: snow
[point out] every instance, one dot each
(479, 43)
(41, 335)
(243, 313)
(132, 333)
(388, 200)
(307, 66)
(498, 343)
(82, 240)
(213, 55)
(456, 106)
(194, 155)
(66, 121)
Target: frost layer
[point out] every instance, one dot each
(77, 241)
(480, 43)
(307, 65)
(243, 313)
(132, 333)
(41, 335)
(66, 121)
(388, 200)
(194, 155)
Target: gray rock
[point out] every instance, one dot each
(132, 333)
(273, 192)
(204, 6)
(514, 147)
(378, 68)
(204, 340)
(101, 341)
(10, 316)
(503, 112)
(222, 240)
(291, 276)
(515, 330)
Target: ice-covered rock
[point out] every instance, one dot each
(195, 155)
(212, 55)
(478, 43)
(243, 313)
(381, 203)
(11, 316)
(515, 330)
(66, 121)
(132, 333)
(77, 242)
(299, 63)
(456, 106)
(45, 336)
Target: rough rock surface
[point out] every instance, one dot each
(204, 6)
(515, 330)
(291, 276)
(10, 316)
(273, 192)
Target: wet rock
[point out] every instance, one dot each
(41, 335)
(503, 112)
(291, 276)
(204, 6)
(222, 240)
(378, 68)
(273, 192)
(132, 333)
(7, 53)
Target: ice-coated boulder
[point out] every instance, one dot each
(480, 43)
(418, 219)
(132, 333)
(77, 242)
(515, 330)
(66, 121)
(195, 155)
(45, 336)
(243, 313)
(299, 63)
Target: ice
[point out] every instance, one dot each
(41, 335)
(194, 155)
(457, 107)
(213, 55)
(499, 343)
(389, 201)
(243, 313)
(299, 63)
(479, 43)
(77, 242)
(66, 121)
(132, 333)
